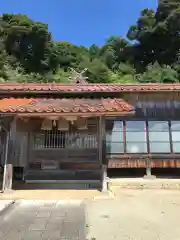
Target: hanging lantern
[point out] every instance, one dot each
(71, 119)
(46, 124)
(81, 124)
(63, 124)
(54, 123)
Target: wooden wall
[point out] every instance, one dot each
(155, 105)
(81, 158)
(167, 161)
(18, 143)
(152, 106)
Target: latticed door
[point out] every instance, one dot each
(70, 146)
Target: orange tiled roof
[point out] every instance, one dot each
(65, 105)
(89, 87)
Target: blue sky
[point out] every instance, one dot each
(81, 22)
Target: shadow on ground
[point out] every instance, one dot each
(170, 173)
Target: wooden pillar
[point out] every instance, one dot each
(148, 158)
(8, 169)
(8, 176)
(102, 155)
(8, 166)
(104, 178)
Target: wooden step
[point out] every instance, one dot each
(50, 184)
(46, 175)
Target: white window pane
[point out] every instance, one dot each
(176, 136)
(175, 126)
(114, 137)
(160, 147)
(112, 147)
(117, 126)
(114, 125)
(136, 147)
(136, 136)
(176, 147)
(158, 126)
(135, 126)
(159, 136)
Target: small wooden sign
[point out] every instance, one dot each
(49, 165)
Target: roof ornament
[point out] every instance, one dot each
(78, 78)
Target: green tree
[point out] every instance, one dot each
(156, 34)
(150, 54)
(28, 41)
(126, 74)
(94, 52)
(155, 73)
(115, 51)
(70, 55)
(97, 70)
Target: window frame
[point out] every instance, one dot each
(63, 140)
(141, 142)
(146, 121)
(160, 131)
(120, 131)
(171, 132)
(48, 141)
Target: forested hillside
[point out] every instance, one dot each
(151, 52)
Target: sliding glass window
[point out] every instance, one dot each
(159, 139)
(114, 137)
(175, 130)
(136, 137)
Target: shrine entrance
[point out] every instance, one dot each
(64, 151)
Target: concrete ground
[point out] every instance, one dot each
(44, 220)
(4, 204)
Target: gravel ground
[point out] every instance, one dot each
(135, 215)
